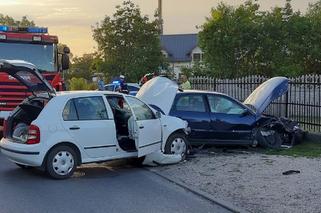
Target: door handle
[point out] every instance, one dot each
(141, 127)
(74, 128)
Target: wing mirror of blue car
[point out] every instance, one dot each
(158, 114)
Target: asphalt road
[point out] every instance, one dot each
(95, 188)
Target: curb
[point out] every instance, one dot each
(200, 193)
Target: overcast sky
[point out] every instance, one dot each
(71, 20)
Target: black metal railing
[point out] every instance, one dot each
(301, 103)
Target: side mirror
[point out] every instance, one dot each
(158, 114)
(65, 61)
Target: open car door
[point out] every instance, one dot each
(146, 127)
(27, 74)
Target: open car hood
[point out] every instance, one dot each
(160, 92)
(266, 93)
(27, 74)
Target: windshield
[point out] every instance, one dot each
(41, 55)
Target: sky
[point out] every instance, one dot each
(72, 20)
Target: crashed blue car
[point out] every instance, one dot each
(216, 118)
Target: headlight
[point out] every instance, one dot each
(187, 129)
(296, 127)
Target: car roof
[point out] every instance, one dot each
(86, 93)
(128, 84)
(202, 92)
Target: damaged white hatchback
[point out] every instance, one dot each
(59, 131)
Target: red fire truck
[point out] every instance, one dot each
(32, 44)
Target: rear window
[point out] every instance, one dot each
(69, 113)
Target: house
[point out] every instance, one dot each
(181, 50)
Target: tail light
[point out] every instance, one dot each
(4, 129)
(33, 135)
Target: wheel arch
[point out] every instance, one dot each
(178, 131)
(166, 136)
(64, 143)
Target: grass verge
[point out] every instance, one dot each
(306, 149)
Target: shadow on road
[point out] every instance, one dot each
(86, 171)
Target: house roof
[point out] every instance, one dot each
(179, 46)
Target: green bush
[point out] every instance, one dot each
(80, 84)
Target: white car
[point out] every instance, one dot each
(59, 131)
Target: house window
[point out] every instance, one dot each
(197, 57)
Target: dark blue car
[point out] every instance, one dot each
(216, 118)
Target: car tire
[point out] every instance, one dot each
(272, 141)
(177, 144)
(61, 162)
(23, 166)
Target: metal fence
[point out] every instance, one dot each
(300, 103)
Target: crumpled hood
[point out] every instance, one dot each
(266, 93)
(160, 92)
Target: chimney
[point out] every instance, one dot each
(160, 16)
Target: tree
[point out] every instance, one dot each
(129, 43)
(24, 22)
(228, 39)
(244, 40)
(198, 69)
(82, 67)
(312, 39)
(80, 84)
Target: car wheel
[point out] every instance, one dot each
(269, 139)
(23, 166)
(176, 144)
(61, 162)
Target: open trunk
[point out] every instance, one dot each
(17, 124)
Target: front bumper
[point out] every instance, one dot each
(24, 154)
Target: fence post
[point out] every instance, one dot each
(287, 104)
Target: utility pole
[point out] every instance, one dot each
(160, 16)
